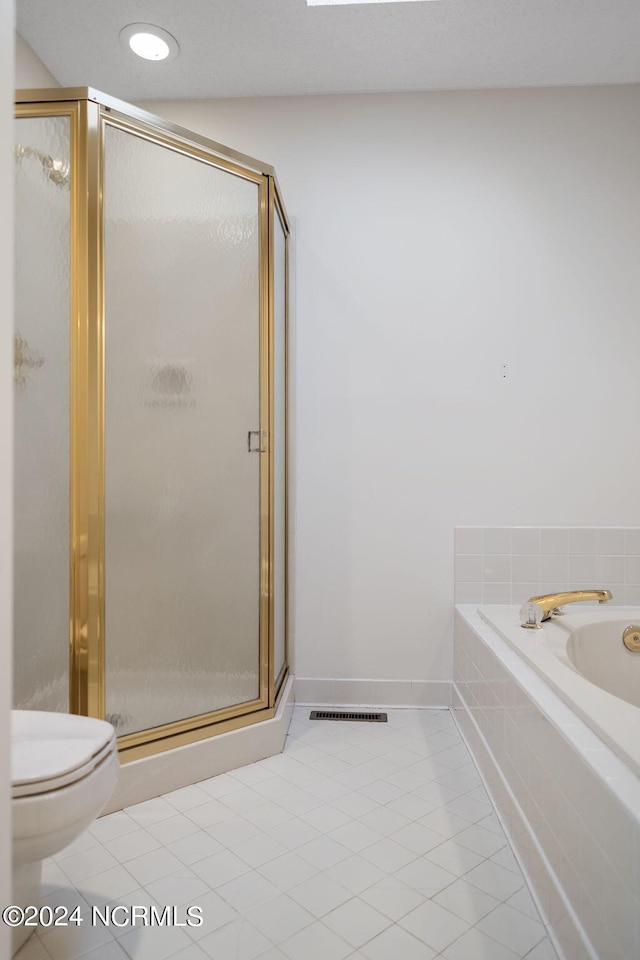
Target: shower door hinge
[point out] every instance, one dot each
(260, 445)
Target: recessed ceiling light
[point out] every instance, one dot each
(149, 42)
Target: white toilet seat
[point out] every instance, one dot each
(63, 771)
(53, 750)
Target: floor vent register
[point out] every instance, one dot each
(342, 715)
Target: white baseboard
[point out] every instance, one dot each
(325, 691)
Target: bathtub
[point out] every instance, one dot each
(558, 754)
(582, 657)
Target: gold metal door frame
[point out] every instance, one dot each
(189, 729)
(46, 95)
(88, 438)
(277, 214)
(77, 552)
(91, 112)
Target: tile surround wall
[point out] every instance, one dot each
(570, 806)
(510, 564)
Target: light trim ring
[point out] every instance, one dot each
(149, 42)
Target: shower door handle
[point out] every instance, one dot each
(261, 441)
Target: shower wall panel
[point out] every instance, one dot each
(42, 398)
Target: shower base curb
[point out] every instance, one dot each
(153, 776)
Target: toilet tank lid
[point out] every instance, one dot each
(45, 746)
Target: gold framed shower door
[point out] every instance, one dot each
(91, 113)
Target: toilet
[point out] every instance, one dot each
(63, 770)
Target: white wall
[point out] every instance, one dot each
(440, 235)
(6, 457)
(30, 70)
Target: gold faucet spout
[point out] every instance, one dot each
(538, 609)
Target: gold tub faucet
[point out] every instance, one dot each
(538, 609)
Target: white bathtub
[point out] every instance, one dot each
(581, 655)
(570, 802)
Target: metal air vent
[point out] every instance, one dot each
(341, 715)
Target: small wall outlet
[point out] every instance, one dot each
(504, 370)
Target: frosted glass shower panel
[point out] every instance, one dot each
(41, 376)
(182, 505)
(280, 424)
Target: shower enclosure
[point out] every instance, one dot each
(151, 427)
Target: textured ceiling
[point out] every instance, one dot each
(235, 48)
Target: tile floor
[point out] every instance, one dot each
(365, 841)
